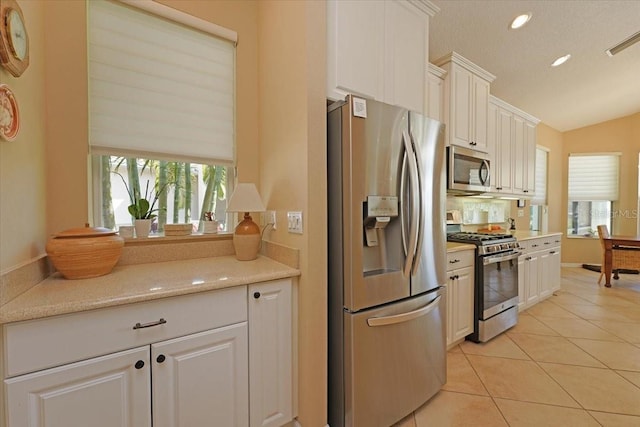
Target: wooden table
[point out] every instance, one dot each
(609, 243)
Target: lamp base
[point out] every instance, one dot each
(246, 239)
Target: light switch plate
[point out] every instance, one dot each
(294, 222)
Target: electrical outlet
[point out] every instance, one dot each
(270, 218)
(520, 213)
(294, 222)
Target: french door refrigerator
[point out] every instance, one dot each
(387, 250)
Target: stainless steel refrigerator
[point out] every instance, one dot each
(387, 250)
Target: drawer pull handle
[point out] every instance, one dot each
(139, 364)
(453, 261)
(160, 358)
(256, 295)
(534, 246)
(150, 324)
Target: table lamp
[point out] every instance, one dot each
(246, 237)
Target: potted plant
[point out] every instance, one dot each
(142, 211)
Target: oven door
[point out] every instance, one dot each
(499, 283)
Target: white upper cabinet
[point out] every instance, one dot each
(466, 102)
(512, 143)
(379, 50)
(434, 96)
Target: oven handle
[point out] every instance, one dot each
(404, 317)
(492, 259)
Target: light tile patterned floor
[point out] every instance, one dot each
(572, 360)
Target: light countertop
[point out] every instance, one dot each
(455, 247)
(526, 234)
(140, 282)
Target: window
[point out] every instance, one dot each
(593, 188)
(161, 112)
(538, 209)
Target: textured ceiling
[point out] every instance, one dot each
(590, 88)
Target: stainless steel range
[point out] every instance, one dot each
(496, 282)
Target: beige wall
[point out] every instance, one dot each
(620, 135)
(23, 210)
(292, 127)
(552, 139)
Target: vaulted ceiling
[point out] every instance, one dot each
(589, 88)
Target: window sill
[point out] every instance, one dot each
(161, 239)
(577, 236)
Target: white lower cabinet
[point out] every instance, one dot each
(234, 369)
(201, 379)
(271, 361)
(538, 270)
(106, 391)
(460, 295)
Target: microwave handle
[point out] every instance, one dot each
(485, 166)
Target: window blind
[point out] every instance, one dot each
(540, 196)
(593, 176)
(157, 88)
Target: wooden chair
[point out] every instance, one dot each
(622, 258)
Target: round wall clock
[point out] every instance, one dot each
(14, 41)
(9, 114)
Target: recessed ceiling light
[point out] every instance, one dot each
(520, 20)
(561, 60)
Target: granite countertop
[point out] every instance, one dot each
(526, 234)
(141, 282)
(455, 247)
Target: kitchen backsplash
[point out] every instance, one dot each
(476, 211)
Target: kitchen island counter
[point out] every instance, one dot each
(142, 282)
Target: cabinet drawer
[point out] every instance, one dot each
(43, 343)
(460, 259)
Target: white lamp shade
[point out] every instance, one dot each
(245, 198)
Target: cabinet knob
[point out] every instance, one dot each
(256, 295)
(139, 364)
(160, 358)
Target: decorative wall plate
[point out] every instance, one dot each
(9, 114)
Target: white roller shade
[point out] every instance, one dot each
(593, 176)
(540, 196)
(158, 89)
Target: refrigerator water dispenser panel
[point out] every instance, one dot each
(379, 211)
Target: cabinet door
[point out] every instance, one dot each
(523, 286)
(460, 120)
(405, 55)
(355, 48)
(555, 266)
(270, 353)
(434, 97)
(530, 155)
(463, 304)
(450, 306)
(480, 108)
(106, 391)
(532, 279)
(519, 155)
(503, 156)
(544, 274)
(201, 379)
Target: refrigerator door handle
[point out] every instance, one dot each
(417, 201)
(404, 317)
(413, 190)
(403, 225)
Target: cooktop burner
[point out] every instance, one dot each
(470, 237)
(487, 243)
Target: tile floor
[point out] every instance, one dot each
(572, 360)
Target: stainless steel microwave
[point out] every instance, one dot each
(468, 171)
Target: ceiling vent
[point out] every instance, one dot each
(623, 45)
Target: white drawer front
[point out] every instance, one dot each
(44, 343)
(460, 259)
